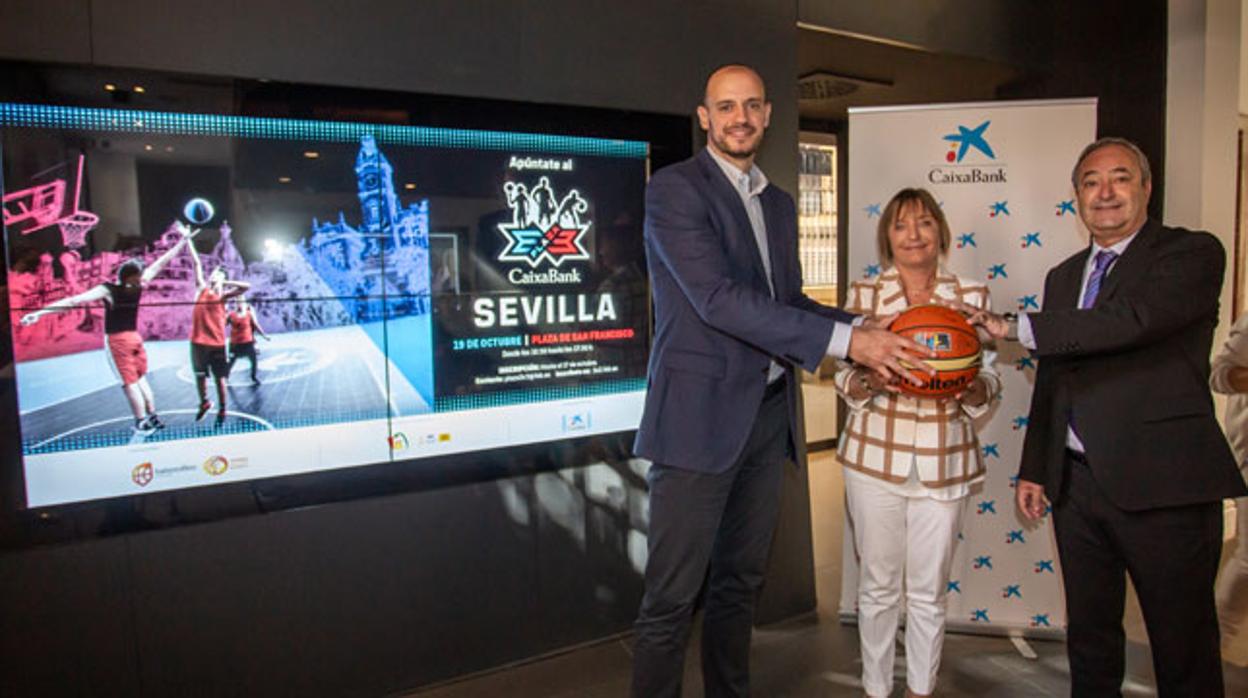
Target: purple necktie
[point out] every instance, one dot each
(1104, 258)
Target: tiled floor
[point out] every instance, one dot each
(818, 656)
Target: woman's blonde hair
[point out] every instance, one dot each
(895, 205)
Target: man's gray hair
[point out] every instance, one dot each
(1146, 175)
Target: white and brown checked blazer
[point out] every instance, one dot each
(887, 432)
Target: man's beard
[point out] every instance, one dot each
(721, 143)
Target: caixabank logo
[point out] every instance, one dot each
(969, 158)
(544, 231)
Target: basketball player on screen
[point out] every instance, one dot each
(243, 327)
(126, 352)
(208, 334)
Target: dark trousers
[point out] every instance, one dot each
(712, 532)
(247, 349)
(1172, 556)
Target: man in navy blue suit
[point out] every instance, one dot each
(731, 323)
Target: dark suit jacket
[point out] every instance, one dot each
(716, 325)
(1133, 373)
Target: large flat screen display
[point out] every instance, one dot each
(199, 299)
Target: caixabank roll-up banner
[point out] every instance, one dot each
(1001, 173)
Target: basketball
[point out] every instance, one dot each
(957, 347)
(198, 211)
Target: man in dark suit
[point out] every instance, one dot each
(721, 413)
(1122, 438)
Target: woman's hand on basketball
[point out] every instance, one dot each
(975, 395)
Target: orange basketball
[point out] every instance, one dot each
(958, 352)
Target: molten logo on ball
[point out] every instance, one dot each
(951, 337)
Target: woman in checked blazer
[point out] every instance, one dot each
(909, 462)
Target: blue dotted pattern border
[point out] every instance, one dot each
(134, 121)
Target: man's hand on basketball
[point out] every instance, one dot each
(996, 326)
(888, 354)
(1030, 499)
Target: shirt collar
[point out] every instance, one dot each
(1118, 247)
(750, 183)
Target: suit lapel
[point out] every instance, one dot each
(1133, 262)
(1066, 287)
(780, 273)
(726, 196)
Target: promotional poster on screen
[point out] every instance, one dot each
(198, 299)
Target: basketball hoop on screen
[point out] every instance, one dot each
(41, 205)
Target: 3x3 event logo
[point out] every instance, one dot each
(968, 141)
(543, 228)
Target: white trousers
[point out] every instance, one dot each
(901, 539)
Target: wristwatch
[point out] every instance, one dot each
(1011, 332)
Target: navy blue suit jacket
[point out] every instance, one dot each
(717, 327)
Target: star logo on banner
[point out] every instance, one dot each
(870, 271)
(983, 562)
(1031, 239)
(1015, 536)
(1012, 591)
(954, 587)
(1019, 423)
(873, 211)
(1028, 302)
(1025, 362)
(1067, 206)
(999, 208)
(967, 138)
(980, 615)
(1013, 481)
(1044, 566)
(966, 240)
(988, 506)
(1040, 620)
(997, 270)
(991, 451)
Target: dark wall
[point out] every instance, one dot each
(1114, 50)
(374, 596)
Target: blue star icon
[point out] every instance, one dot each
(1013, 481)
(1040, 619)
(966, 240)
(1048, 509)
(1016, 536)
(988, 506)
(1013, 590)
(1044, 566)
(967, 138)
(1032, 239)
(871, 271)
(991, 451)
(1067, 206)
(983, 561)
(954, 586)
(1025, 362)
(1028, 302)
(873, 211)
(980, 614)
(1019, 423)
(997, 270)
(999, 208)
